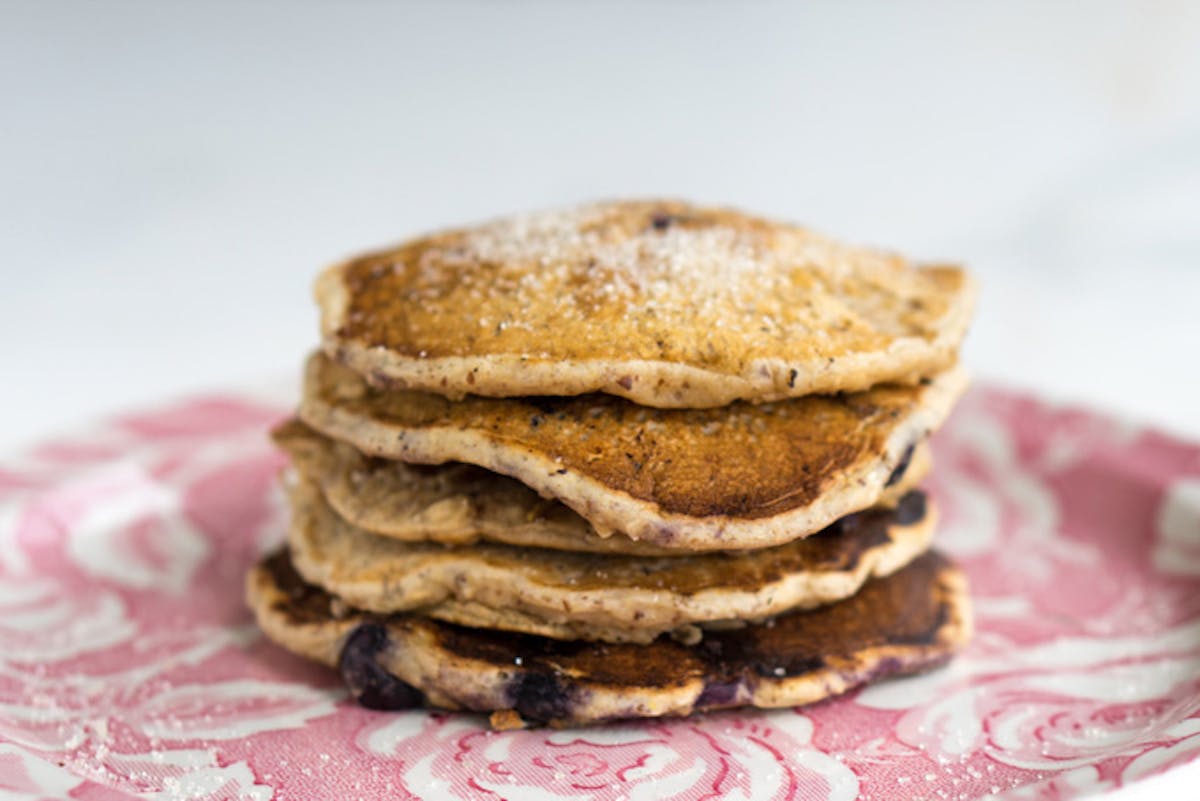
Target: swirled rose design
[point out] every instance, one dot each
(749, 757)
(129, 665)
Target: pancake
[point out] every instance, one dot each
(912, 620)
(661, 302)
(458, 504)
(745, 476)
(600, 597)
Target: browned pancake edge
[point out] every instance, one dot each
(460, 504)
(663, 302)
(910, 621)
(742, 477)
(613, 598)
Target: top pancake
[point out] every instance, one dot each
(661, 302)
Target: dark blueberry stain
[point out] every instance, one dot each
(886, 667)
(661, 221)
(539, 696)
(788, 667)
(906, 608)
(545, 404)
(911, 508)
(792, 379)
(718, 694)
(901, 466)
(371, 685)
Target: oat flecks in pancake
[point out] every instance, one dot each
(740, 477)
(661, 302)
(458, 504)
(912, 620)
(599, 597)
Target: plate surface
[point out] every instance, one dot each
(128, 664)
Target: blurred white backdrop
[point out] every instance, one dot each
(172, 176)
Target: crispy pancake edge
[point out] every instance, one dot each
(405, 661)
(470, 514)
(610, 510)
(521, 589)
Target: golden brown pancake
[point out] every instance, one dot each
(600, 597)
(912, 620)
(745, 476)
(661, 302)
(459, 504)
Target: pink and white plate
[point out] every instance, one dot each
(129, 667)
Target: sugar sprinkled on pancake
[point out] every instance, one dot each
(662, 302)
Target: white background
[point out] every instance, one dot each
(172, 176)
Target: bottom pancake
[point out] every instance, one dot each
(909, 621)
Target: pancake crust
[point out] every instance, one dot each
(744, 476)
(458, 504)
(600, 597)
(661, 302)
(912, 620)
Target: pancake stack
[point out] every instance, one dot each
(632, 459)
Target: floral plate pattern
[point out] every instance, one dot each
(130, 668)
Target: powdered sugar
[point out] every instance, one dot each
(648, 258)
(622, 251)
(688, 306)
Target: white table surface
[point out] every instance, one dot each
(172, 175)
